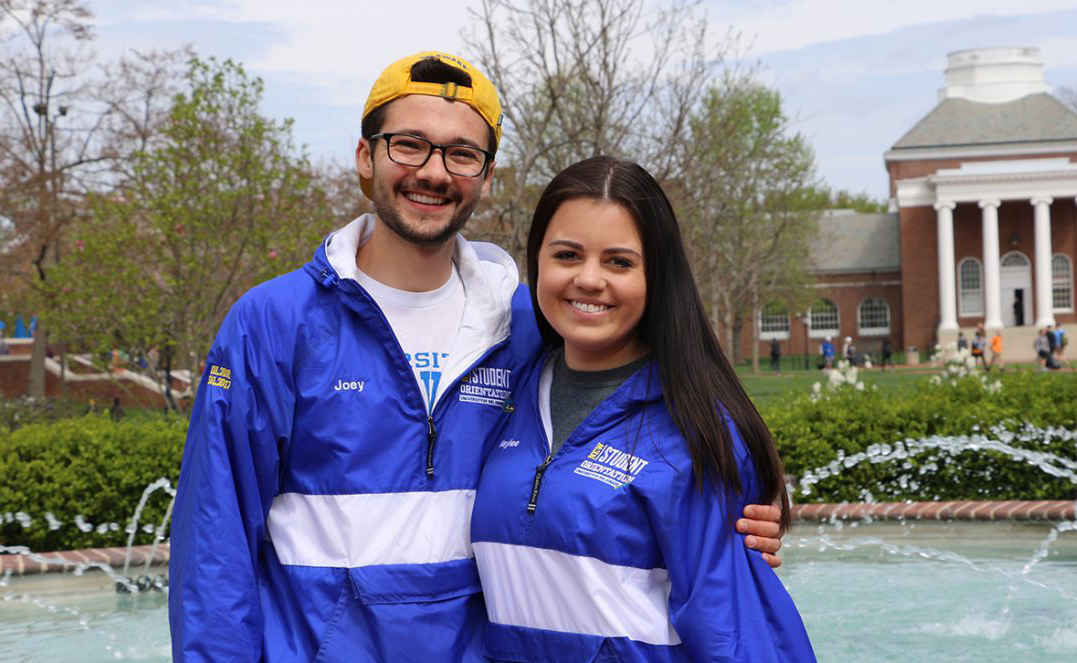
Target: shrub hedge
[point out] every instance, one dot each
(98, 468)
(813, 434)
(89, 466)
(16, 413)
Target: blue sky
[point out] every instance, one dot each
(855, 74)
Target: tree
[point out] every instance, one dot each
(44, 146)
(340, 184)
(748, 202)
(580, 78)
(135, 96)
(222, 201)
(1067, 94)
(859, 202)
(67, 129)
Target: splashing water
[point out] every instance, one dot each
(997, 623)
(132, 526)
(1049, 463)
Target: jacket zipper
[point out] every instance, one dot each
(536, 485)
(431, 431)
(329, 278)
(431, 437)
(540, 471)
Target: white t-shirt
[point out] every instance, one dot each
(425, 323)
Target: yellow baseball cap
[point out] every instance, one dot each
(395, 82)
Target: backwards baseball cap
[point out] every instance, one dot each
(395, 82)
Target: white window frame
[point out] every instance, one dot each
(970, 302)
(765, 335)
(1063, 282)
(1021, 260)
(872, 331)
(828, 331)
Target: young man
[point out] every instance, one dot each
(324, 503)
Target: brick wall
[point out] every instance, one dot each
(15, 382)
(847, 291)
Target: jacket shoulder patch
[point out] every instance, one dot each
(219, 376)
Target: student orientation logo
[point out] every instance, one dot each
(487, 386)
(611, 466)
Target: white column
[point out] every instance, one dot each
(992, 295)
(1045, 313)
(947, 287)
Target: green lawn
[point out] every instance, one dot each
(766, 387)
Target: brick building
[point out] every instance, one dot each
(982, 225)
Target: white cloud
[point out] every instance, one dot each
(856, 74)
(342, 46)
(798, 23)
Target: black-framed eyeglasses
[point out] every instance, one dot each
(415, 151)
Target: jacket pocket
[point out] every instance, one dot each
(403, 615)
(527, 645)
(414, 583)
(332, 630)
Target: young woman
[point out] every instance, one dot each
(603, 523)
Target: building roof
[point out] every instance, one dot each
(1032, 118)
(851, 242)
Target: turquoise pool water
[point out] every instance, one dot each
(879, 592)
(935, 592)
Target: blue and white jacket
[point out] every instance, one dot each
(321, 514)
(608, 550)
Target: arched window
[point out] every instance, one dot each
(774, 321)
(1061, 282)
(1014, 259)
(970, 287)
(873, 317)
(824, 319)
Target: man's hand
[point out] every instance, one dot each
(760, 523)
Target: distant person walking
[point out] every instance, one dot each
(1043, 350)
(962, 342)
(775, 355)
(996, 351)
(887, 355)
(979, 343)
(116, 411)
(851, 355)
(1055, 338)
(827, 350)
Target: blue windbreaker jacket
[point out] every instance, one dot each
(321, 514)
(608, 550)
